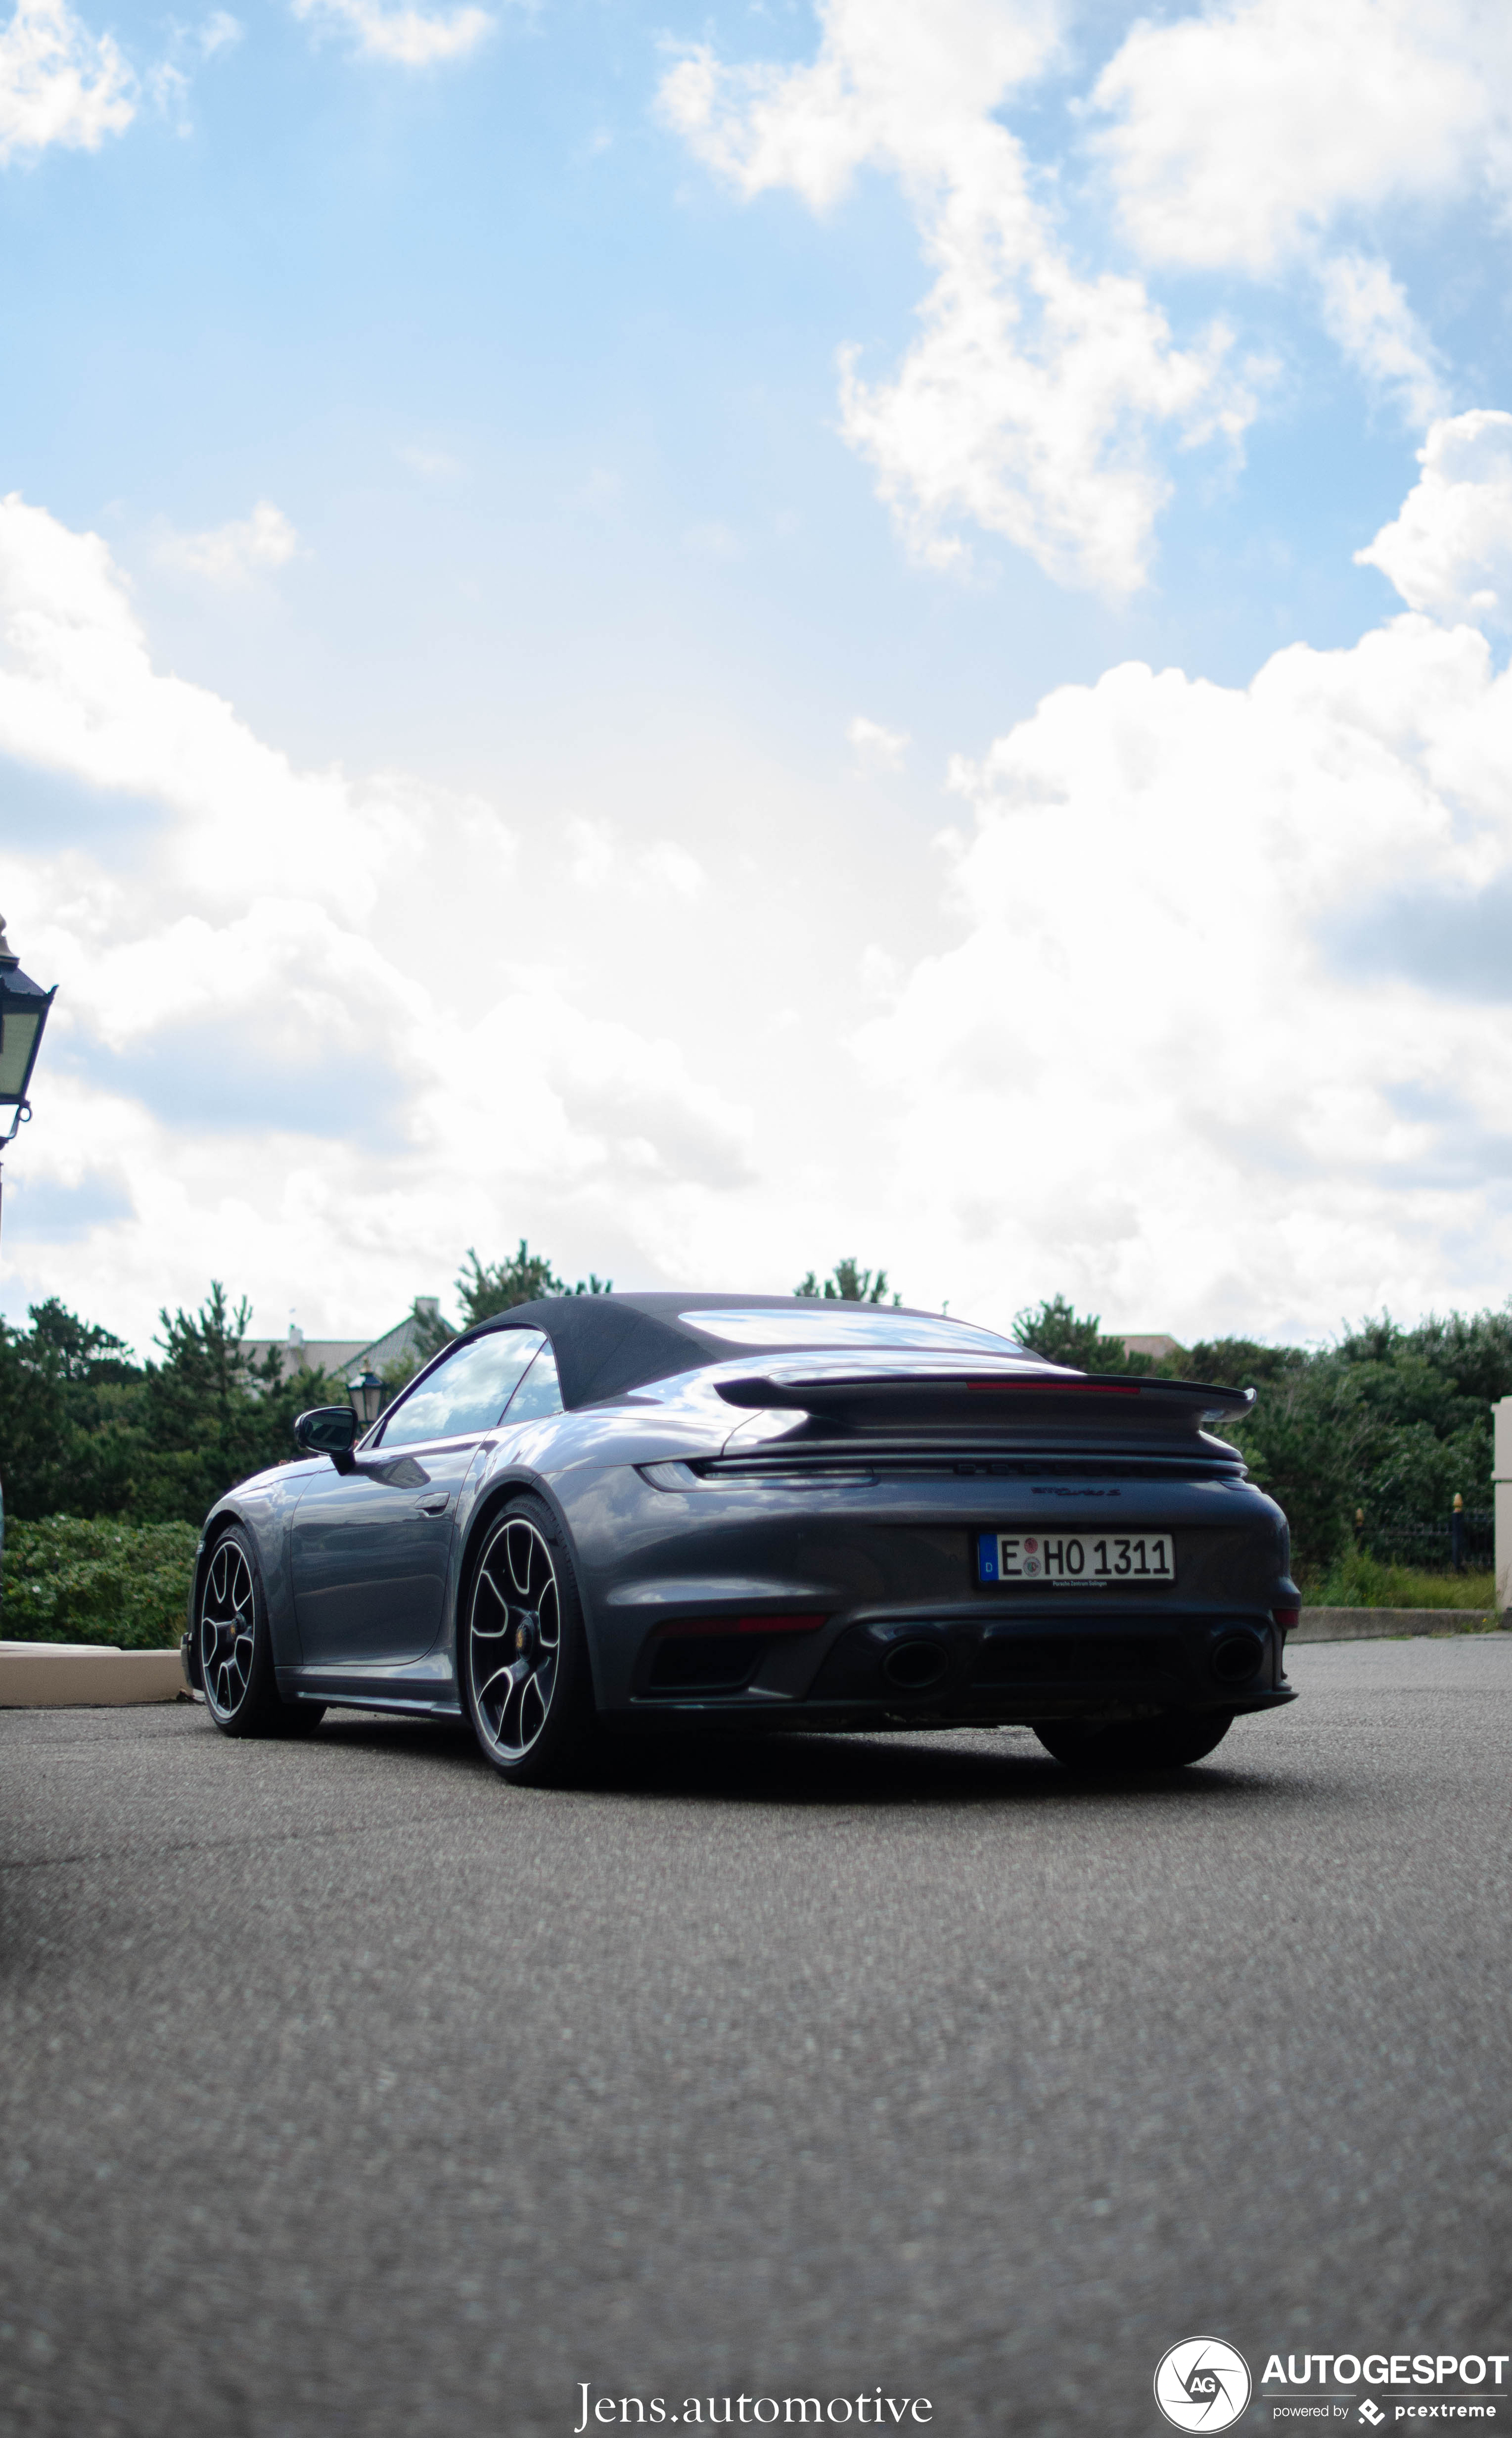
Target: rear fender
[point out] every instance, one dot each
(500, 1490)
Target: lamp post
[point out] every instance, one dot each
(24, 1006)
(366, 1393)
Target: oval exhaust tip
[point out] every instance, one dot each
(915, 1666)
(1237, 1658)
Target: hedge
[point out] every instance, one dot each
(69, 1580)
(1361, 1581)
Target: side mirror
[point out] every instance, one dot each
(328, 1430)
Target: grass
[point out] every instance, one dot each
(1357, 1580)
(70, 1580)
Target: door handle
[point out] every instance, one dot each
(435, 1505)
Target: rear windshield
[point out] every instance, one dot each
(842, 1325)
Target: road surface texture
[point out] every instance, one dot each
(347, 2090)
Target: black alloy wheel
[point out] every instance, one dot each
(235, 1648)
(1169, 1742)
(525, 1665)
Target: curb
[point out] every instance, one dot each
(1379, 1624)
(55, 1675)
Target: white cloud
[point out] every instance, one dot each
(1254, 137)
(1029, 404)
(412, 38)
(1046, 393)
(231, 553)
(601, 858)
(59, 83)
(877, 747)
(713, 540)
(306, 1025)
(1026, 408)
(169, 81)
(890, 82)
(433, 465)
(1449, 551)
(1241, 132)
(1365, 311)
(79, 696)
(219, 31)
(1218, 1033)
(1201, 1056)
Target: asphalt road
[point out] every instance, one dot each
(346, 2090)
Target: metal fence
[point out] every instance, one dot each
(1431, 1545)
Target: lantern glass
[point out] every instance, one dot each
(18, 1046)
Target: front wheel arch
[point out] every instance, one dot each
(260, 1710)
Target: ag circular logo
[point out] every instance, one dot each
(1203, 2384)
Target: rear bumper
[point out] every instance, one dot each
(958, 1671)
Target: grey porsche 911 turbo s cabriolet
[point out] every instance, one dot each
(631, 1510)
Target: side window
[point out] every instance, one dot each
(538, 1393)
(468, 1392)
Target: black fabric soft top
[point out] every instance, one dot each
(608, 1344)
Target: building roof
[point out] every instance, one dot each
(346, 1356)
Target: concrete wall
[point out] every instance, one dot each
(1501, 1477)
(1377, 1624)
(55, 1675)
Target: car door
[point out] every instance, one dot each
(370, 1547)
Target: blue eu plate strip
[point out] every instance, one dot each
(987, 1557)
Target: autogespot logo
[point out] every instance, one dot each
(1203, 2384)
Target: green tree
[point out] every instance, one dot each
(70, 1415)
(847, 1283)
(1387, 1421)
(430, 1332)
(484, 1288)
(213, 1415)
(1234, 1363)
(1056, 1330)
(86, 1431)
(1307, 1441)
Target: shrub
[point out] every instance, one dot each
(1359, 1580)
(68, 1580)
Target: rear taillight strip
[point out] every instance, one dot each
(1053, 1387)
(703, 1625)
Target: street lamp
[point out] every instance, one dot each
(24, 1006)
(366, 1393)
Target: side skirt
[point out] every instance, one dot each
(354, 1689)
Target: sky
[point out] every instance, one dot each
(728, 636)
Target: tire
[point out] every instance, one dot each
(523, 1650)
(297, 1718)
(1171, 1742)
(235, 1647)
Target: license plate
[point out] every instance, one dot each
(1054, 1560)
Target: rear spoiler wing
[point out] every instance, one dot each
(1186, 1400)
